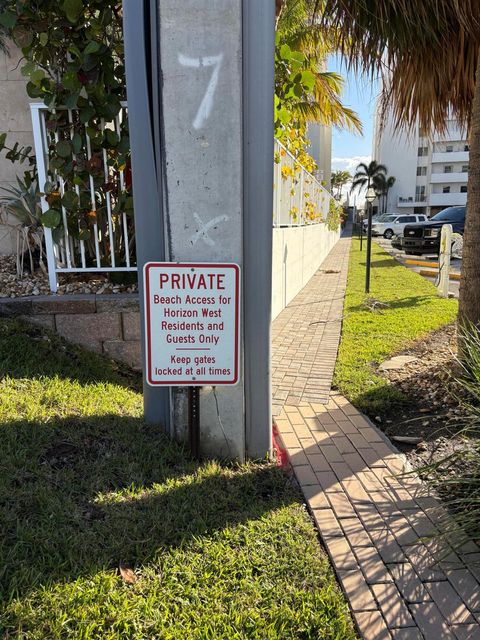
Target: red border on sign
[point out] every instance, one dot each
(176, 265)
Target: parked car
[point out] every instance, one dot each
(425, 238)
(395, 224)
(397, 241)
(378, 217)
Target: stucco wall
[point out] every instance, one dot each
(15, 121)
(297, 253)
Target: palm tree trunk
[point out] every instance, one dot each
(469, 309)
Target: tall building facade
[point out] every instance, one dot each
(431, 171)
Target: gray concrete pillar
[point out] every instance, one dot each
(210, 161)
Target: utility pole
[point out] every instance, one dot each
(200, 83)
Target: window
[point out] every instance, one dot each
(423, 151)
(405, 219)
(421, 171)
(422, 218)
(449, 148)
(465, 168)
(463, 188)
(419, 210)
(446, 189)
(447, 168)
(456, 214)
(420, 193)
(466, 147)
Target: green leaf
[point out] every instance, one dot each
(284, 116)
(37, 76)
(71, 101)
(308, 80)
(27, 69)
(297, 56)
(70, 200)
(43, 37)
(285, 52)
(73, 9)
(70, 81)
(48, 188)
(86, 113)
(92, 47)
(50, 218)
(77, 142)
(33, 91)
(298, 90)
(8, 19)
(3, 138)
(63, 148)
(111, 137)
(84, 234)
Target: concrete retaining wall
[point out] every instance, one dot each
(297, 253)
(108, 324)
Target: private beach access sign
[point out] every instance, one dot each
(192, 317)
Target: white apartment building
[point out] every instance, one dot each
(431, 171)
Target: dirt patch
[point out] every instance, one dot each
(432, 411)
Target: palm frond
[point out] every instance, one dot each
(426, 53)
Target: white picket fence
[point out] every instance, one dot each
(107, 243)
(299, 198)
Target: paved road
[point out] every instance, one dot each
(456, 263)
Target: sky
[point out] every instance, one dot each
(349, 149)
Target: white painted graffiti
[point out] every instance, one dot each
(204, 227)
(206, 104)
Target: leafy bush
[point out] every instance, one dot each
(73, 61)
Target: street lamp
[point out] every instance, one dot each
(370, 197)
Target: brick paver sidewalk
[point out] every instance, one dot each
(305, 336)
(400, 583)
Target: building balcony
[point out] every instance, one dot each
(447, 199)
(412, 201)
(449, 157)
(449, 178)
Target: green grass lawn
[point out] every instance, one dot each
(218, 551)
(368, 338)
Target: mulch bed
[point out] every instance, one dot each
(432, 410)
(36, 284)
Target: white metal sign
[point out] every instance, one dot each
(192, 317)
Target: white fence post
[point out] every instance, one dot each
(42, 178)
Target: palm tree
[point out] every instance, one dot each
(369, 176)
(428, 55)
(339, 180)
(390, 181)
(380, 187)
(324, 105)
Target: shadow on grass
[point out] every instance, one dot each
(79, 495)
(402, 303)
(381, 262)
(29, 351)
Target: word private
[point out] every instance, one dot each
(192, 323)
